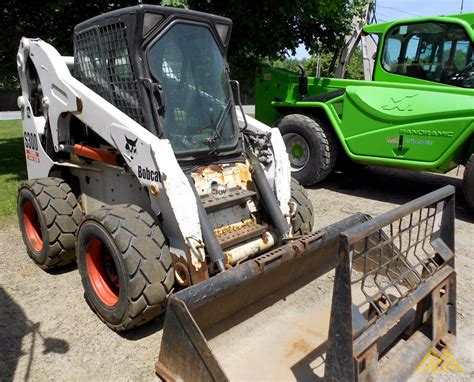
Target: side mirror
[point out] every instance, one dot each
(303, 81)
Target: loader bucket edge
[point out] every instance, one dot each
(184, 353)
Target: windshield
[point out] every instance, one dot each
(439, 52)
(187, 62)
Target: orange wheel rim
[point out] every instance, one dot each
(32, 226)
(102, 272)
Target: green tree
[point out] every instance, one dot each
(291, 64)
(354, 71)
(269, 29)
(265, 29)
(52, 21)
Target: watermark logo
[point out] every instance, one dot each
(217, 190)
(443, 364)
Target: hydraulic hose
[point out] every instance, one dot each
(269, 199)
(210, 240)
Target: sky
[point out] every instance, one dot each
(388, 10)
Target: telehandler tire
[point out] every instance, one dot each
(303, 220)
(48, 215)
(125, 265)
(468, 182)
(311, 147)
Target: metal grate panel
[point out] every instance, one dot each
(394, 279)
(391, 263)
(103, 64)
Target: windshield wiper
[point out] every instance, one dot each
(217, 130)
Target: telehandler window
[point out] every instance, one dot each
(187, 62)
(439, 52)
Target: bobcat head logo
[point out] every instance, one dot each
(131, 146)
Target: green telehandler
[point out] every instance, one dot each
(414, 110)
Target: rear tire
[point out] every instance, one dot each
(48, 215)
(303, 220)
(311, 146)
(468, 182)
(125, 266)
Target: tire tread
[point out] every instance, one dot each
(61, 212)
(151, 277)
(303, 220)
(468, 182)
(326, 143)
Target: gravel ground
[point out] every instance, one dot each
(47, 331)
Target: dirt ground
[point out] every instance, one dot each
(48, 332)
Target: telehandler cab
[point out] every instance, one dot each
(142, 170)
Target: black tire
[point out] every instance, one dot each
(303, 220)
(48, 215)
(125, 266)
(468, 182)
(311, 146)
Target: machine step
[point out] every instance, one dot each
(230, 199)
(239, 235)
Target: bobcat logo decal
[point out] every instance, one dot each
(131, 146)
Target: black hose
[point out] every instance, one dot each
(270, 201)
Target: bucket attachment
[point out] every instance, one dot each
(403, 286)
(394, 279)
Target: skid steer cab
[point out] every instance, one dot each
(142, 169)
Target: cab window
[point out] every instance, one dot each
(439, 52)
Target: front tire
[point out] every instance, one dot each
(302, 221)
(468, 182)
(125, 266)
(48, 215)
(311, 147)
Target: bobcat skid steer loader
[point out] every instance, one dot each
(143, 170)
